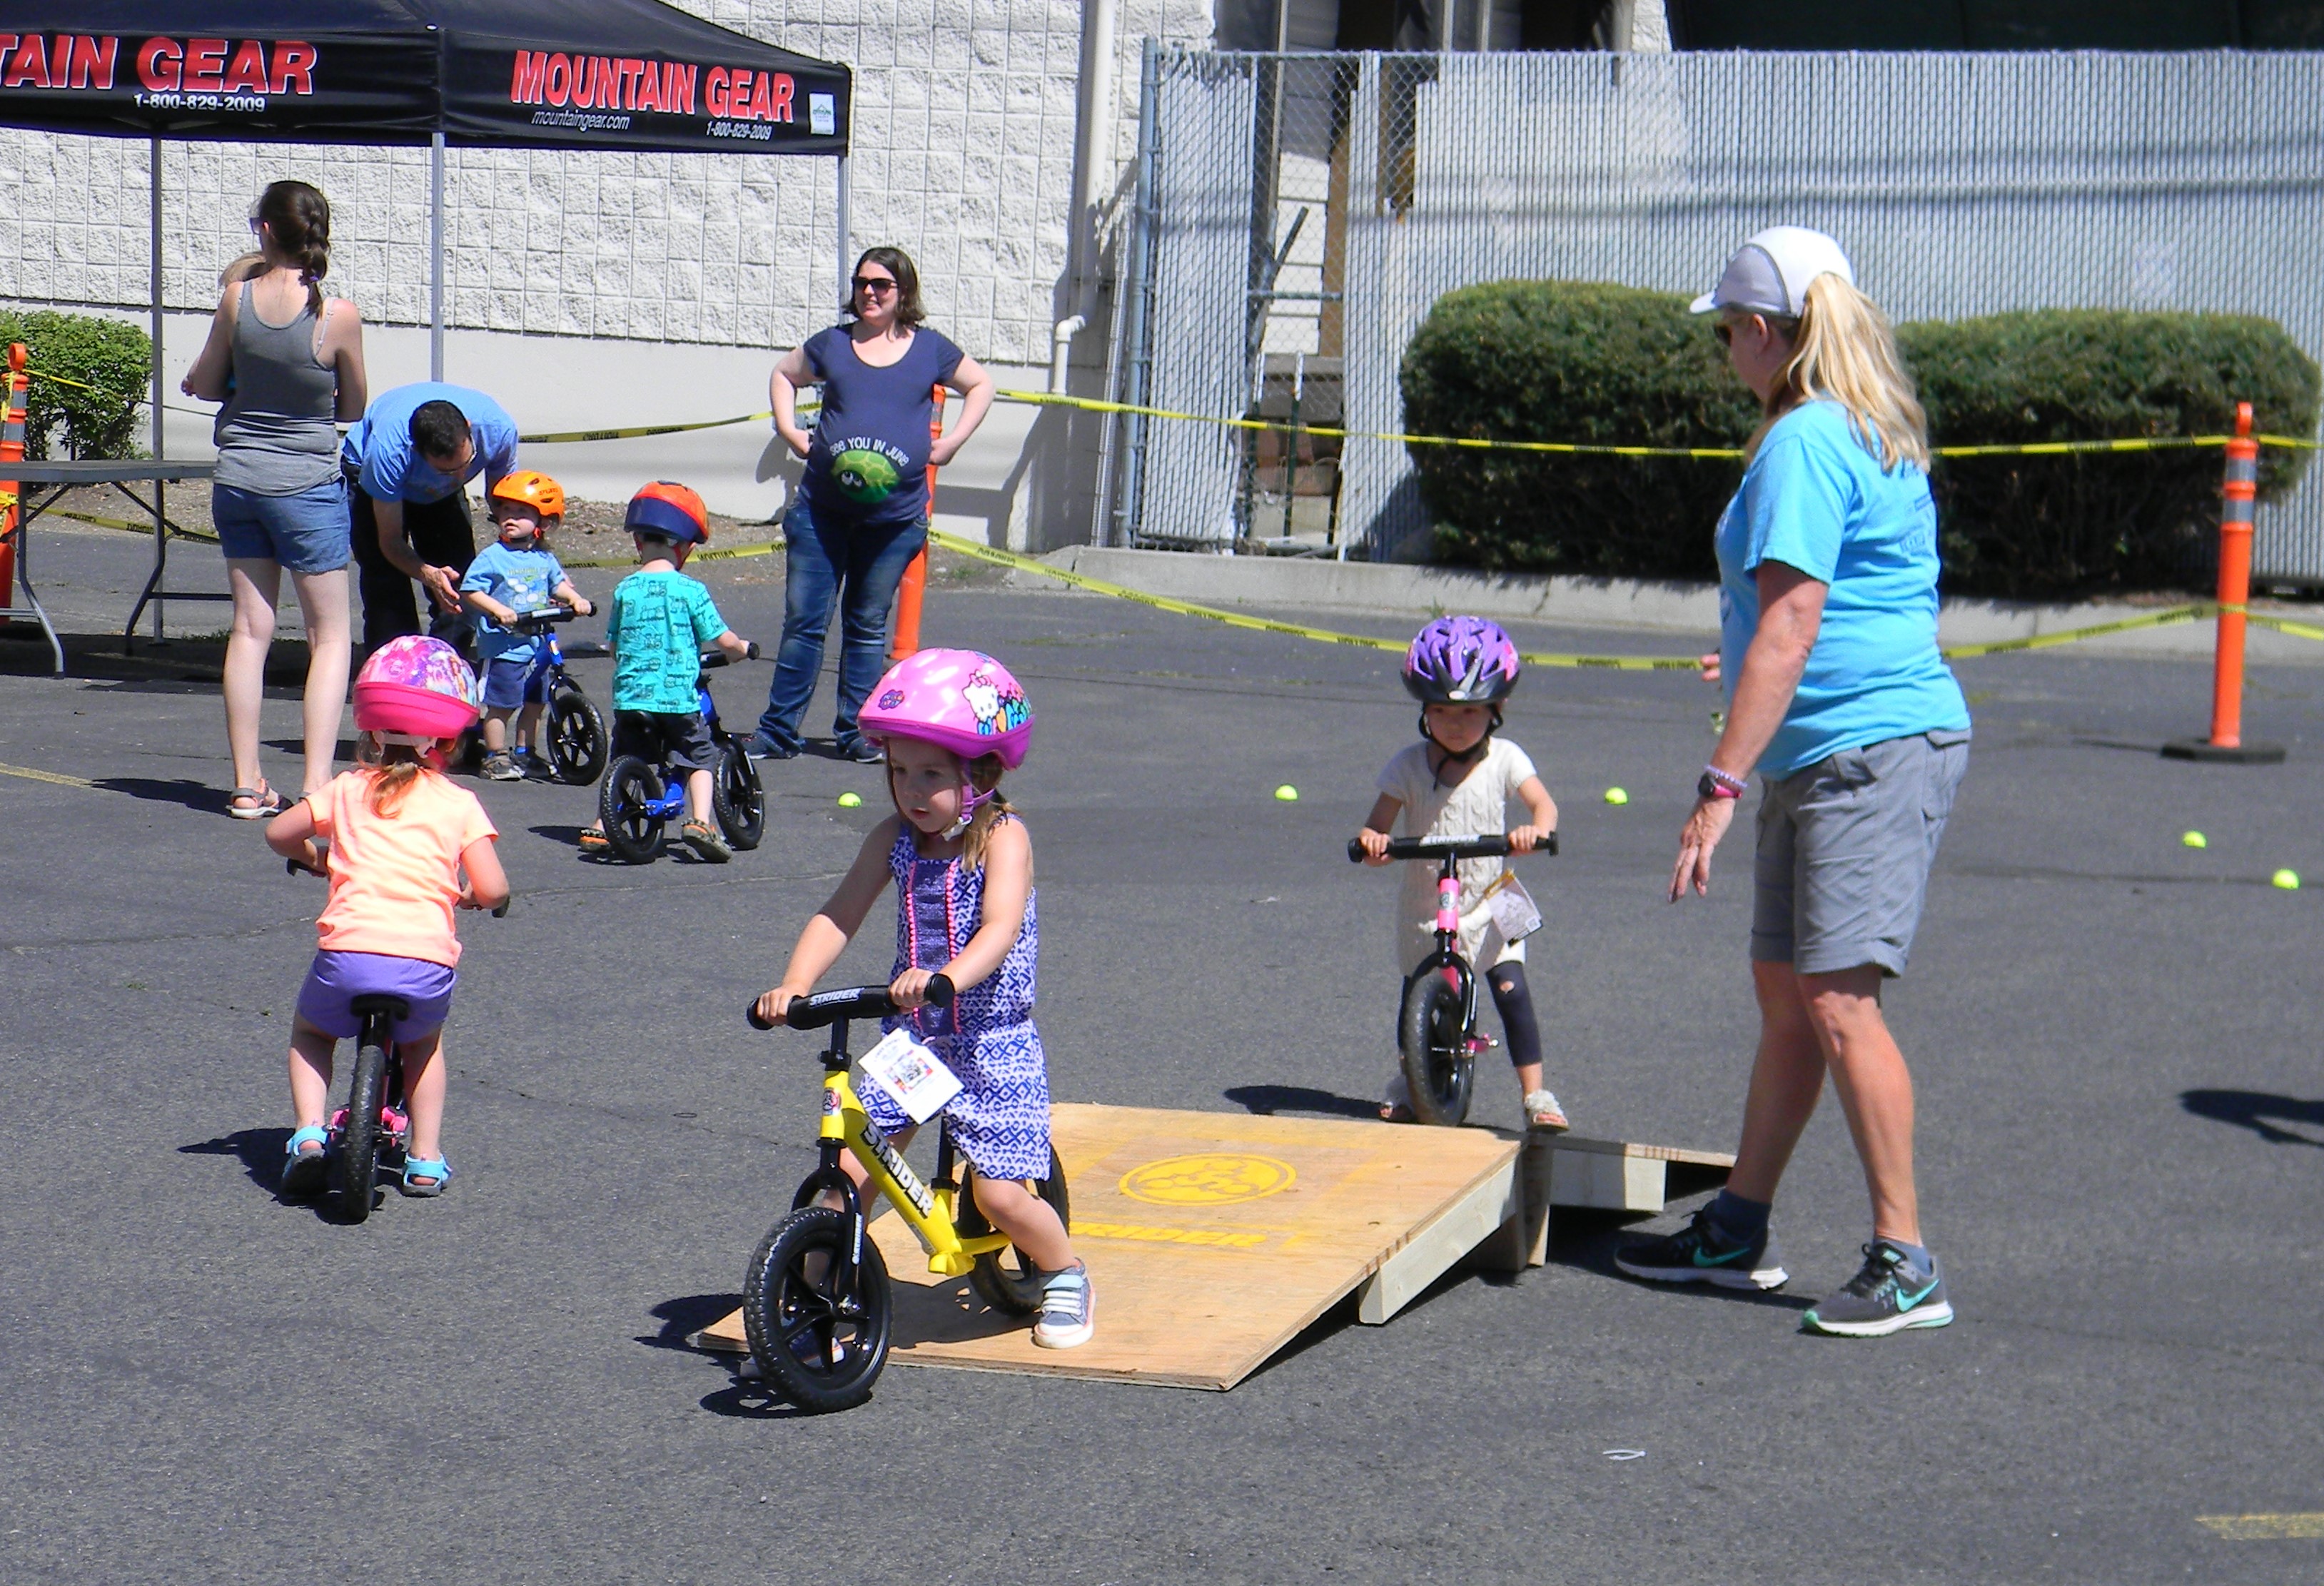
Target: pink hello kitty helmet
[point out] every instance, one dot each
(415, 691)
(961, 700)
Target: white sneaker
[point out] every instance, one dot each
(1068, 1309)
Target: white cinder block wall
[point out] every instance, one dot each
(964, 142)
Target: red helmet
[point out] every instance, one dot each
(669, 509)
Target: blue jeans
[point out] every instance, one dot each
(830, 560)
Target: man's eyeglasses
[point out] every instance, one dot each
(877, 285)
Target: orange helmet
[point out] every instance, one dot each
(537, 491)
(669, 509)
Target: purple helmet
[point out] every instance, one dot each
(1460, 661)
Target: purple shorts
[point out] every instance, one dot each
(335, 980)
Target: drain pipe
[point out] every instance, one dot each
(1092, 162)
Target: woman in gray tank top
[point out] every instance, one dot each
(288, 364)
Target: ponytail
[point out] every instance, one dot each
(985, 775)
(1843, 350)
(300, 217)
(395, 770)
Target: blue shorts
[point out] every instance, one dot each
(336, 980)
(510, 681)
(304, 533)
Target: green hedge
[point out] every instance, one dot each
(114, 357)
(1607, 364)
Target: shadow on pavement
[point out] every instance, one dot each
(1586, 1240)
(199, 796)
(1266, 1101)
(2251, 1110)
(259, 1150)
(682, 1318)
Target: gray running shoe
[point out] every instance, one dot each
(1701, 1252)
(1068, 1309)
(1885, 1297)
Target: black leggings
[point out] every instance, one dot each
(1514, 1001)
(439, 534)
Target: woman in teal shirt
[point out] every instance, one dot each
(1838, 696)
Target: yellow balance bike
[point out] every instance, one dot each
(816, 1304)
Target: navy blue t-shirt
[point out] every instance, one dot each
(869, 463)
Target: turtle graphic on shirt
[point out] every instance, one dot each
(864, 475)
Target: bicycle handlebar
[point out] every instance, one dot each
(719, 657)
(821, 1008)
(1477, 845)
(543, 620)
(292, 867)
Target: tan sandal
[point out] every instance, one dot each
(1543, 1113)
(264, 804)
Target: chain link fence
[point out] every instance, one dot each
(1298, 214)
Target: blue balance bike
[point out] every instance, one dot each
(640, 798)
(574, 741)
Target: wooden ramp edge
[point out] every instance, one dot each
(1214, 1238)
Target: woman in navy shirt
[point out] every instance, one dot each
(861, 512)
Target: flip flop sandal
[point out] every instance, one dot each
(264, 804)
(302, 1171)
(433, 1168)
(1543, 1113)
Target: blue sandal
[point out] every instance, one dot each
(429, 1167)
(302, 1171)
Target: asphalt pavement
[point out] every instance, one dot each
(2115, 1039)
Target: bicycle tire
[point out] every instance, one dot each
(1011, 1284)
(633, 836)
(573, 732)
(355, 1167)
(1434, 1038)
(780, 1304)
(737, 799)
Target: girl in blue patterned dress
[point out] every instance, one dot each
(951, 721)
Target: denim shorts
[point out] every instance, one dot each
(509, 680)
(1845, 847)
(304, 533)
(335, 980)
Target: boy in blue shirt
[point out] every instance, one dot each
(506, 580)
(658, 624)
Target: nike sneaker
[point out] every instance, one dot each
(1886, 1296)
(1702, 1252)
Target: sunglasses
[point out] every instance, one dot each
(877, 285)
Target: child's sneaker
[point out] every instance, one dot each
(502, 768)
(1068, 1309)
(1886, 1295)
(1702, 1252)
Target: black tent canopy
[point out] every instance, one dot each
(629, 75)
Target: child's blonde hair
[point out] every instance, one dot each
(1844, 350)
(395, 769)
(985, 776)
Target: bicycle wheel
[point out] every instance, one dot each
(355, 1167)
(633, 834)
(1007, 1280)
(1433, 1036)
(820, 1349)
(737, 799)
(575, 737)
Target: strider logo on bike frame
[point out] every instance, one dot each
(897, 1168)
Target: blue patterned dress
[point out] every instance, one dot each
(1000, 1119)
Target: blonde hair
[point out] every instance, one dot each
(1844, 350)
(395, 770)
(985, 775)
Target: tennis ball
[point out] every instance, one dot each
(1287, 793)
(1617, 796)
(849, 800)
(2288, 880)
(2193, 840)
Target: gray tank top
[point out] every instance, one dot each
(275, 435)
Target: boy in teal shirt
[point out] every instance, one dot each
(658, 621)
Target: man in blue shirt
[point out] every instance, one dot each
(407, 460)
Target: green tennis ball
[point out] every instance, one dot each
(1287, 793)
(2288, 880)
(2193, 840)
(1617, 796)
(849, 800)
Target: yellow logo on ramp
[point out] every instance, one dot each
(1207, 1178)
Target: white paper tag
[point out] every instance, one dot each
(1513, 907)
(914, 1077)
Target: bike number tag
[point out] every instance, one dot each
(1513, 908)
(914, 1077)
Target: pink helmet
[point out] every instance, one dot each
(417, 691)
(962, 700)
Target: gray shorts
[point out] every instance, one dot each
(1845, 847)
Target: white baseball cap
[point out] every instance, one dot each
(1770, 273)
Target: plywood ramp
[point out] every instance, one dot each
(1214, 1238)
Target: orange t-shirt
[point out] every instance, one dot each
(395, 879)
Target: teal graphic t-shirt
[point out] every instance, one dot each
(869, 463)
(657, 628)
(1815, 498)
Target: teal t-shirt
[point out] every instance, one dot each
(1815, 498)
(657, 627)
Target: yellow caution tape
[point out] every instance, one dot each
(716, 554)
(2289, 629)
(636, 432)
(2178, 613)
(202, 535)
(30, 775)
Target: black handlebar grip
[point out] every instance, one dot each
(751, 650)
(1356, 848)
(501, 912)
(940, 990)
(752, 1013)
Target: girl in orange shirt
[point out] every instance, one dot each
(395, 837)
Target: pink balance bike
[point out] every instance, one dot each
(1437, 1024)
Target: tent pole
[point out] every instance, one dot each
(436, 257)
(154, 266)
(847, 263)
